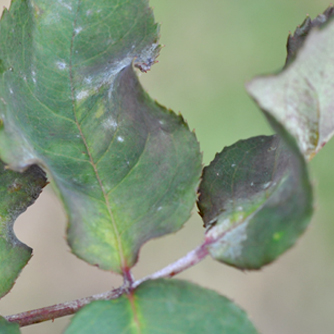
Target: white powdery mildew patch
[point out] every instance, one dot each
(230, 245)
(110, 74)
(300, 97)
(33, 76)
(114, 70)
(266, 185)
(82, 94)
(77, 30)
(120, 139)
(61, 65)
(147, 57)
(110, 123)
(88, 80)
(89, 84)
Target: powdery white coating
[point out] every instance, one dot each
(21, 156)
(77, 30)
(61, 65)
(82, 94)
(88, 80)
(110, 123)
(301, 96)
(111, 72)
(107, 76)
(266, 185)
(147, 57)
(230, 245)
(221, 228)
(120, 139)
(26, 158)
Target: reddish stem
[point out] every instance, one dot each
(189, 260)
(59, 310)
(68, 308)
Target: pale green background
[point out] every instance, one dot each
(212, 48)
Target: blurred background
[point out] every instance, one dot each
(212, 47)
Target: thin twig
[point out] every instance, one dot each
(68, 308)
(189, 260)
(60, 310)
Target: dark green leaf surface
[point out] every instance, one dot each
(125, 167)
(301, 96)
(163, 306)
(255, 200)
(8, 328)
(17, 192)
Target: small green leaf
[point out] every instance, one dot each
(125, 168)
(8, 327)
(301, 96)
(163, 306)
(17, 192)
(255, 200)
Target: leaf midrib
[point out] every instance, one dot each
(118, 238)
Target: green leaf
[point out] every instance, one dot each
(301, 96)
(17, 192)
(163, 306)
(8, 327)
(125, 167)
(255, 200)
